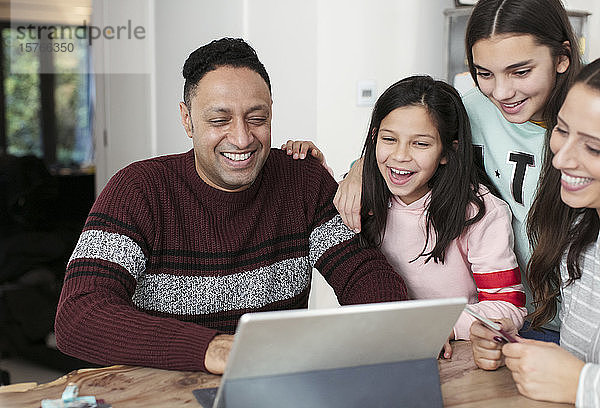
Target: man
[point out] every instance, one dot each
(177, 248)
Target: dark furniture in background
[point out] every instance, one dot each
(41, 217)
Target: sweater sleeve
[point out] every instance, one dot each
(494, 267)
(588, 390)
(96, 318)
(357, 275)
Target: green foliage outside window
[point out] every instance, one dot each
(22, 102)
(71, 96)
(23, 105)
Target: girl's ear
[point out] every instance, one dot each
(563, 62)
(444, 160)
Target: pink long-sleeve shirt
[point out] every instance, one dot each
(480, 264)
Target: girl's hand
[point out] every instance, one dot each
(487, 349)
(447, 350)
(543, 371)
(298, 149)
(347, 197)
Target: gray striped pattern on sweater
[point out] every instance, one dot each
(191, 295)
(580, 329)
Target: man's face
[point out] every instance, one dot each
(230, 125)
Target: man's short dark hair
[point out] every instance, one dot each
(232, 52)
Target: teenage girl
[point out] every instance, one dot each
(522, 55)
(563, 223)
(418, 176)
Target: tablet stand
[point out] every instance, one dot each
(413, 383)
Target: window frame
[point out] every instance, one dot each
(47, 82)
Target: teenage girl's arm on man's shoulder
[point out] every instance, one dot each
(494, 267)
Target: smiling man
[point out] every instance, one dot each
(176, 248)
(231, 127)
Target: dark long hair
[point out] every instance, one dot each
(553, 228)
(546, 21)
(454, 185)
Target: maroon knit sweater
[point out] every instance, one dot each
(166, 262)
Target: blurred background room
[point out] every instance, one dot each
(89, 86)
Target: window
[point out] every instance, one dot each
(45, 107)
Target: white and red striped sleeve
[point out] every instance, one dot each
(490, 251)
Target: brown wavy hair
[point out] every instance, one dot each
(554, 229)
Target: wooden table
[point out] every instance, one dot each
(463, 385)
(466, 386)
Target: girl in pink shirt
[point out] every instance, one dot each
(424, 206)
(444, 232)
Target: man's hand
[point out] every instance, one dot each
(487, 351)
(543, 371)
(217, 353)
(348, 195)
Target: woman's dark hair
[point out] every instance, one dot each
(546, 21)
(232, 52)
(555, 228)
(454, 185)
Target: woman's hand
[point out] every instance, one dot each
(543, 371)
(487, 347)
(347, 198)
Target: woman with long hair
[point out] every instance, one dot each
(563, 226)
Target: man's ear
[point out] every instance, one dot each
(563, 61)
(186, 119)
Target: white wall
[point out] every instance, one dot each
(284, 34)
(315, 52)
(123, 126)
(382, 40)
(181, 27)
